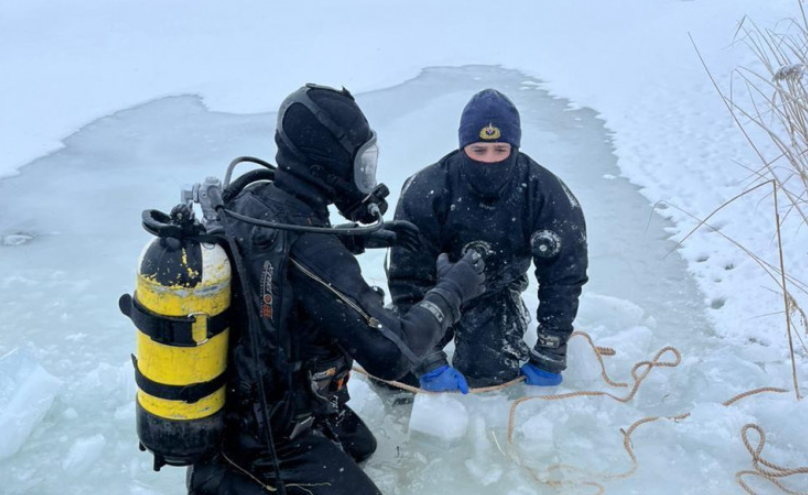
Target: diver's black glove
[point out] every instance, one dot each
(394, 233)
(468, 274)
(459, 282)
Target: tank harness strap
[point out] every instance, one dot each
(187, 393)
(371, 321)
(170, 330)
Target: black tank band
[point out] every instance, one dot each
(187, 393)
(170, 330)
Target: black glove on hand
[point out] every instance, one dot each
(466, 277)
(457, 284)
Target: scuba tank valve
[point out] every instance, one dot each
(208, 196)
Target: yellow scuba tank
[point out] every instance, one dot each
(180, 308)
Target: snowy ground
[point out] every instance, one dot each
(70, 232)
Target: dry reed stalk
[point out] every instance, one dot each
(775, 106)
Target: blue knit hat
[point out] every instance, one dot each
(490, 117)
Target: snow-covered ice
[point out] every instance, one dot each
(134, 99)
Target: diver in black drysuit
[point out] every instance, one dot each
(516, 211)
(316, 312)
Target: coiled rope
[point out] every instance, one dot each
(639, 372)
(762, 468)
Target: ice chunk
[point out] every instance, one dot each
(480, 466)
(491, 407)
(360, 392)
(583, 362)
(115, 383)
(612, 312)
(364, 401)
(538, 430)
(83, 453)
(440, 418)
(17, 239)
(26, 394)
(631, 343)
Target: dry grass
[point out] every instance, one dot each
(772, 114)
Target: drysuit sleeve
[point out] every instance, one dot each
(412, 272)
(329, 286)
(558, 245)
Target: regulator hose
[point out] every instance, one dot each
(238, 185)
(375, 226)
(245, 159)
(231, 190)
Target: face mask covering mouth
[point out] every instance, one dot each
(488, 180)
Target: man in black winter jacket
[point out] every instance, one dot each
(307, 313)
(490, 197)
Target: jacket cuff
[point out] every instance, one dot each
(430, 363)
(552, 360)
(448, 302)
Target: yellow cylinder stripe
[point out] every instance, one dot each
(178, 410)
(177, 300)
(182, 365)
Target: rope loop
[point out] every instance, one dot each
(769, 471)
(762, 468)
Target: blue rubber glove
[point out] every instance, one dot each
(444, 379)
(537, 376)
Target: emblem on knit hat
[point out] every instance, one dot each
(490, 132)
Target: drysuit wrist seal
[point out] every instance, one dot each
(430, 363)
